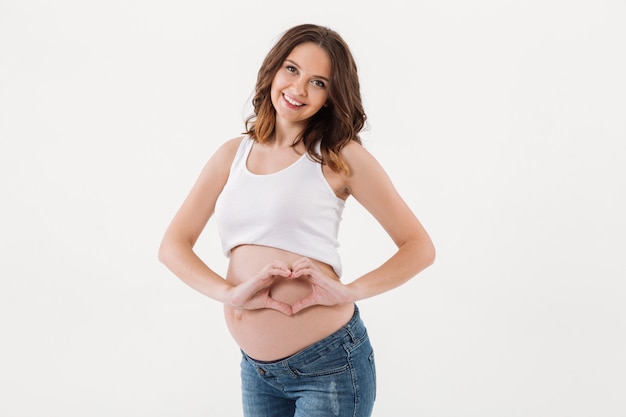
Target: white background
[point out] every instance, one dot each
(502, 123)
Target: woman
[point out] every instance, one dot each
(278, 194)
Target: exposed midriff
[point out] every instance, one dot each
(267, 334)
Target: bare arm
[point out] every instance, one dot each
(371, 186)
(176, 250)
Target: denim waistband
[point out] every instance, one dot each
(348, 333)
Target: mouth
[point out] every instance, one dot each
(293, 102)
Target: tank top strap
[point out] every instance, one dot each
(241, 157)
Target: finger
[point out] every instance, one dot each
(243, 293)
(278, 272)
(248, 289)
(302, 263)
(283, 266)
(270, 271)
(280, 265)
(304, 268)
(297, 273)
(279, 306)
(300, 305)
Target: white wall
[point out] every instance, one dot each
(502, 123)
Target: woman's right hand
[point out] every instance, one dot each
(255, 293)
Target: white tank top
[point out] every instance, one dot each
(294, 209)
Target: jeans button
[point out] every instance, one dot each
(261, 371)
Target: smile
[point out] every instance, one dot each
(292, 101)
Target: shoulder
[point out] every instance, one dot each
(225, 153)
(231, 146)
(363, 169)
(359, 159)
(367, 176)
(217, 168)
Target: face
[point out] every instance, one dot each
(300, 87)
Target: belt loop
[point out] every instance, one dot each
(348, 328)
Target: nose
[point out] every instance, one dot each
(299, 86)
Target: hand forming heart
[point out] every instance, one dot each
(255, 293)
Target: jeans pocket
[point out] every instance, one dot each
(333, 362)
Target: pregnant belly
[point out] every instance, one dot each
(267, 334)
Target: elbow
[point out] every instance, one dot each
(430, 254)
(161, 256)
(425, 253)
(172, 249)
(164, 252)
(421, 254)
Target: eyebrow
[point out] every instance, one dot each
(314, 76)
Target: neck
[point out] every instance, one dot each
(286, 134)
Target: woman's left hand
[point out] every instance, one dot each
(325, 290)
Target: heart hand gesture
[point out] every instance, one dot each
(255, 293)
(325, 290)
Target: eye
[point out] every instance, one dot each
(319, 83)
(291, 69)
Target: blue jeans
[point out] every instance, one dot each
(333, 377)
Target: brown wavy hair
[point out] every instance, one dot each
(335, 124)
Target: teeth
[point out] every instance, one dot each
(292, 101)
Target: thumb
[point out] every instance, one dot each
(300, 305)
(280, 306)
